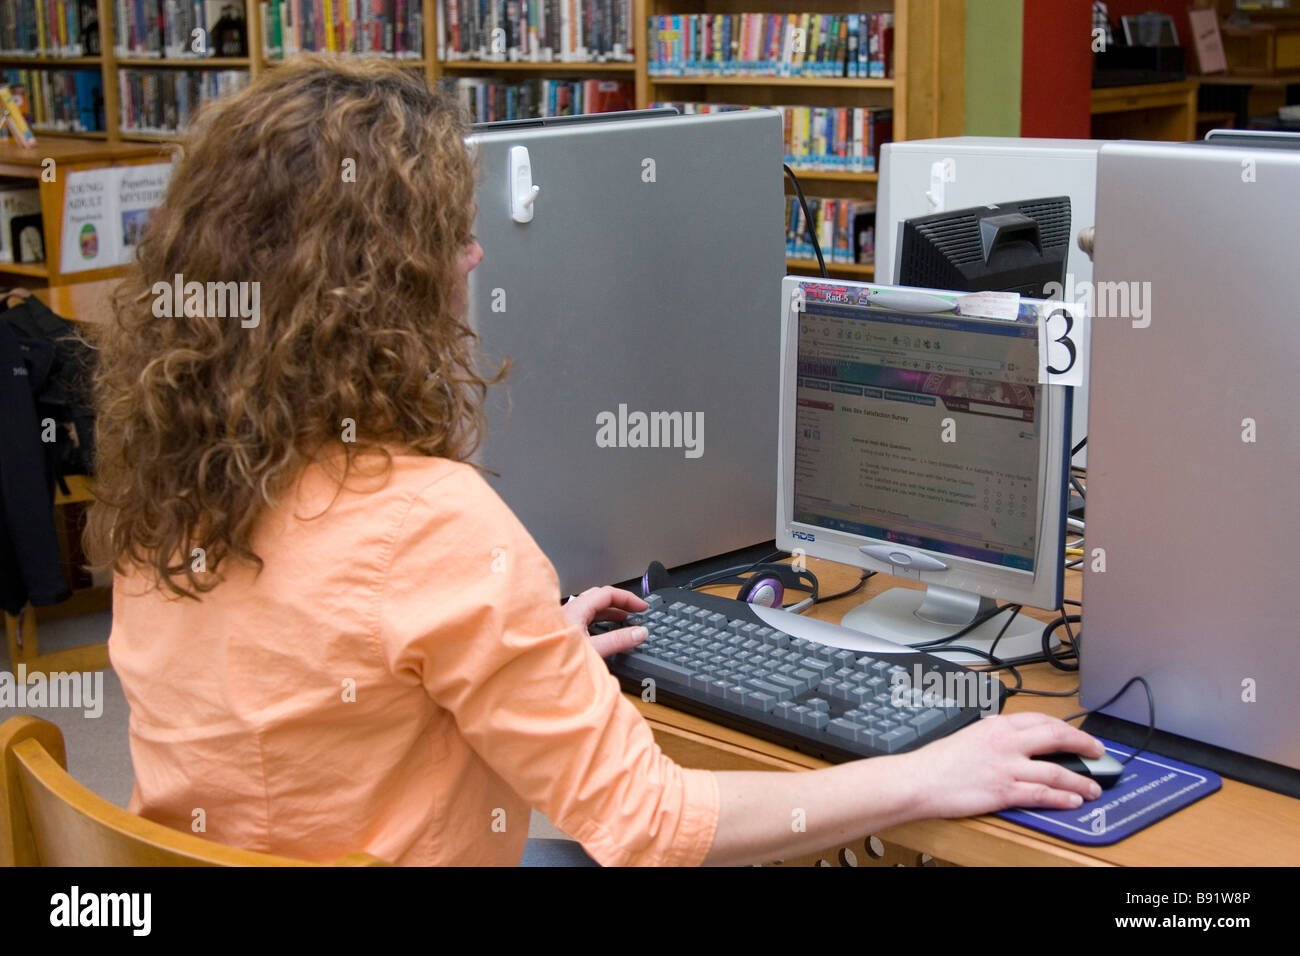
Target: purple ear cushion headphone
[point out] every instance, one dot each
(655, 577)
(762, 589)
(766, 587)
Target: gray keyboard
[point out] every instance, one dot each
(817, 687)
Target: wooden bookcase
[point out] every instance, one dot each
(926, 92)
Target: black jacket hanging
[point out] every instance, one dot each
(30, 568)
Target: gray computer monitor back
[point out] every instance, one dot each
(647, 282)
(1194, 446)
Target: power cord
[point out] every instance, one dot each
(808, 219)
(1061, 661)
(1151, 710)
(866, 575)
(977, 622)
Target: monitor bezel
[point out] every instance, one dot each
(1042, 587)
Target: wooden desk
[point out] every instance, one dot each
(1238, 826)
(1158, 111)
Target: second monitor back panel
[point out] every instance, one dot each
(648, 281)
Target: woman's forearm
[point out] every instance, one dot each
(769, 816)
(983, 767)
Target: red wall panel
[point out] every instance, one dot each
(1056, 74)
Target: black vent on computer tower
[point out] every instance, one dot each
(1010, 247)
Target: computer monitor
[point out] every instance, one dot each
(1019, 246)
(637, 305)
(920, 444)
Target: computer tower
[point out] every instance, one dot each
(922, 177)
(1190, 558)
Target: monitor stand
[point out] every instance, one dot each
(909, 616)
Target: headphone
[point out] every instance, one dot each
(765, 586)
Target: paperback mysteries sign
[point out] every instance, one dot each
(106, 211)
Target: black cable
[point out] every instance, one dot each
(997, 665)
(853, 590)
(1151, 710)
(1079, 447)
(994, 646)
(704, 580)
(1056, 660)
(808, 219)
(981, 619)
(1078, 487)
(1049, 693)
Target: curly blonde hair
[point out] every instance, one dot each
(203, 422)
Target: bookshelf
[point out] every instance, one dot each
(925, 91)
(24, 167)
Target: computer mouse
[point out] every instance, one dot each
(1105, 770)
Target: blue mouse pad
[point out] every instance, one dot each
(1151, 789)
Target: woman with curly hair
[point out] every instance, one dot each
(332, 634)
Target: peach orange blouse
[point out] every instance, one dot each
(397, 679)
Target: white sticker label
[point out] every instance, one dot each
(990, 305)
(1062, 343)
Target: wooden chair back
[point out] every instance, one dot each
(49, 819)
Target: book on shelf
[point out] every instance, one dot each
(845, 230)
(50, 28)
(812, 45)
(179, 29)
(14, 120)
(164, 101)
(489, 100)
(64, 100)
(393, 28)
(15, 203)
(844, 139)
(536, 31)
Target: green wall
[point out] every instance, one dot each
(994, 49)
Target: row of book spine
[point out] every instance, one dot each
(160, 28)
(164, 101)
(536, 31)
(820, 45)
(488, 101)
(845, 229)
(377, 27)
(844, 139)
(49, 28)
(67, 100)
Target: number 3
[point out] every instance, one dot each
(1063, 339)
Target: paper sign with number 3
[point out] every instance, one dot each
(1062, 343)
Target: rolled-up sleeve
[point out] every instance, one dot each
(470, 609)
